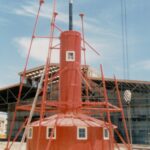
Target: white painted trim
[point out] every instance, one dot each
(47, 130)
(30, 129)
(105, 130)
(70, 51)
(86, 134)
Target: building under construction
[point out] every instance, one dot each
(140, 103)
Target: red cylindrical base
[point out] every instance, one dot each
(66, 133)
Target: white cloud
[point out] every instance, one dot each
(91, 25)
(98, 37)
(109, 54)
(95, 35)
(30, 9)
(39, 49)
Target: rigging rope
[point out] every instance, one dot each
(126, 73)
(32, 110)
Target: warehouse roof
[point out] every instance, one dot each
(9, 94)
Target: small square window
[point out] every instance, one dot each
(30, 132)
(106, 134)
(70, 55)
(82, 133)
(49, 131)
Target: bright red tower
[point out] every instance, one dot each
(70, 128)
(70, 65)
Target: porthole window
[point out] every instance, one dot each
(70, 55)
(30, 132)
(106, 133)
(82, 133)
(49, 131)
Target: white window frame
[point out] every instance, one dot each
(86, 134)
(30, 135)
(67, 53)
(104, 136)
(47, 133)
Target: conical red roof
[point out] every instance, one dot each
(71, 119)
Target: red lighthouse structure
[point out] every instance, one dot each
(71, 128)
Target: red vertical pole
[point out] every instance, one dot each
(19, 131)
(108, 112)
(84, 51)
(41, 2)
(44, 96)
(122, 113)
(52, 133)
(23, 77)
(83, 41)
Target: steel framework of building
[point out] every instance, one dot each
(140, 98)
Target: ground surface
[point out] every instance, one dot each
(16, 147)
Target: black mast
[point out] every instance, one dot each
(70, 14)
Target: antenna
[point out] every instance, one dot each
(70, 14)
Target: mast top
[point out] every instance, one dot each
(70, 14)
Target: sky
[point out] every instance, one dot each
(103, 30)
